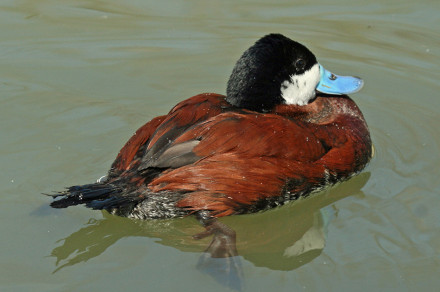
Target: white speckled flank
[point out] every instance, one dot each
(301, 88)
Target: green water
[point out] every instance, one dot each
(77, 78)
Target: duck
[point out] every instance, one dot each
(285, 129)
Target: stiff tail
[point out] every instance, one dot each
(85, 194)
(99, 196)
(116, 200)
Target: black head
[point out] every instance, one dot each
(275, 70)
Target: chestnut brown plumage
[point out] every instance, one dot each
(215, 155)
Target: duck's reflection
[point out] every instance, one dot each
(280, 239)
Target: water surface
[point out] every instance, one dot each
(78, 77)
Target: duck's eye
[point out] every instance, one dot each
(300, 64)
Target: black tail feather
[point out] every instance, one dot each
(84, 194)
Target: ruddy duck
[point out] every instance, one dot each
(284, 129)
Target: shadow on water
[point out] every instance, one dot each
(284, 238)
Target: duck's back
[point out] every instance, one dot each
(207, 155)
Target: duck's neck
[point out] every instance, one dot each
(322, 110)
(252, 99)
(318, 111)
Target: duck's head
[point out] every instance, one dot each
(277, 70)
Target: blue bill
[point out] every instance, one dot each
(334, 84)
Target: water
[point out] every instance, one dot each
(78, 77)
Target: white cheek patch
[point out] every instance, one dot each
(301, 88)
